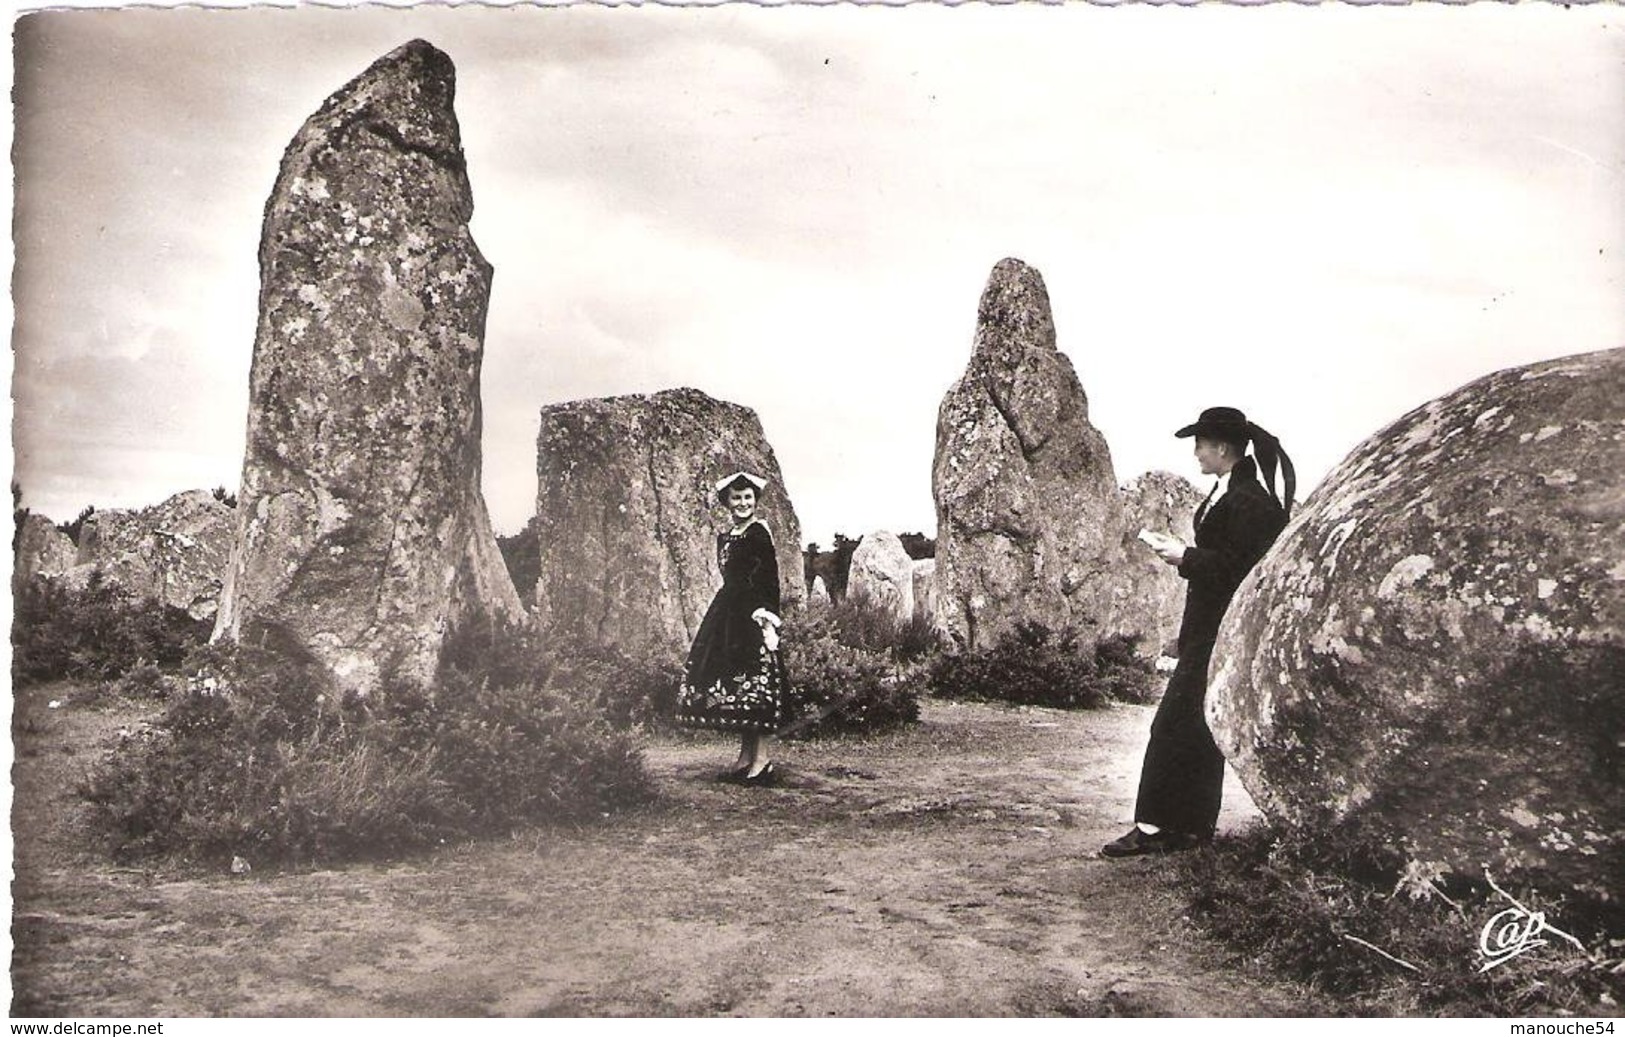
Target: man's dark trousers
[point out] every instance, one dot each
(1183, 773)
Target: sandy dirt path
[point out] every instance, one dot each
(946, 870)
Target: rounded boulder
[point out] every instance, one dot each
(1434, 650)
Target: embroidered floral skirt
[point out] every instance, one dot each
(753, 700)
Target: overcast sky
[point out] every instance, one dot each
(1325, 216)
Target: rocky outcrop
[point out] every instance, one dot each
(1029, 523)
(174, 553)
(627, 514)
(1164, 503)
(41, 549)
(883, 573)
(1432, 651)
(363, 537)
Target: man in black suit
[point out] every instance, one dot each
(1181, 779)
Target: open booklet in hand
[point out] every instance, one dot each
(1159, 541)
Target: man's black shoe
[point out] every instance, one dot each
(1138, 843)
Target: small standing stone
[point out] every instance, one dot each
(883, 572)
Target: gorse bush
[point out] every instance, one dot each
(1032, 665)
(1298, 901)
(241, 762)
(836, 688)
(633, 688)
(850, 668)
(859, 621)
(98, 633)
(257, 757)
(515, 755)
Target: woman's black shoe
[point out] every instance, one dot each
(767, 777)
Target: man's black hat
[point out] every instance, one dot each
(1219, 423)
(1231, 425)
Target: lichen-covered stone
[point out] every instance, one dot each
(1164, 503)
(1433, 649)
(1029, 523)
(883, 573)
(627, 514)
(925, 589)
(363, 537)
(41, 549)
(174, 553)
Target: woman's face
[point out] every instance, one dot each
(1212, 456)
(742, 504)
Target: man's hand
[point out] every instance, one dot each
(1170, 549)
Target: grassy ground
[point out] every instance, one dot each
(949, 869)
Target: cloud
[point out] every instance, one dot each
(1322, 215)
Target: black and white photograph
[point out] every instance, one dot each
(818, 510)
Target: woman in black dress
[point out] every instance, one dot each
(734, 680)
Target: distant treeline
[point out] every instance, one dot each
(836, 565)
(520, 552)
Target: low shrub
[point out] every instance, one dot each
(1335, 909)
(859, 621)
(836, 688)
(850, 670)
(257, 757)
(1033, 665)
(146, 680)
(141, 685)
(633, 688)
(58, 633)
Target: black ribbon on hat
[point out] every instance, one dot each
(1230, 424)
(1267, 448)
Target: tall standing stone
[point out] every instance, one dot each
(1433, 651)
(627, 514)
(1029, 522)
(363, 537)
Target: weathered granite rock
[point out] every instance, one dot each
(1165, 503)
(1433, 648)
(363, 536)
(819, 592)
(925, 590)
(1029, 522)
(627, 514)
(174, 553)
(883, 573)
(42, 549)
